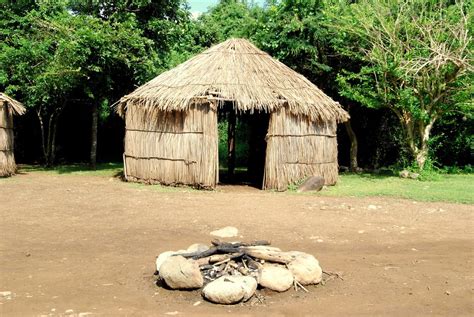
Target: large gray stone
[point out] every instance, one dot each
(230, 289)
(180, 273)
(248, 283)
(162, 258)
(275, 277)
(315, 183)
(165, 255)
(305, 268)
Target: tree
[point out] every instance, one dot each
(123, 32)
(230, 18)
(36, 67)
(49, 57)
(113, 55)
(417, 61)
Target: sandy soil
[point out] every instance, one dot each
(73, 244)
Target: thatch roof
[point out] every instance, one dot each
(16, 107)
(236, 71)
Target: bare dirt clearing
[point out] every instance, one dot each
(88, 244)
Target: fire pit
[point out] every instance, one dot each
(229, 273)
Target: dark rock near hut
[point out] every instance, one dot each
(313, 183)
(404, 174)
(408, 174)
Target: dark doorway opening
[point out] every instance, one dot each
(242, 146)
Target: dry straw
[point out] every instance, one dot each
(171, 121)
(236, 71)
(8, 108)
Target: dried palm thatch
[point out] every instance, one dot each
(175, 148)
(8, 108)
(171, 121)
(298, 148)
(236, 71)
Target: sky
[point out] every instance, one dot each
(202, 5)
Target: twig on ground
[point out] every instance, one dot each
(333, 275)
(301, 286)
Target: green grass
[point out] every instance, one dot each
(103, 169)
(451, 188)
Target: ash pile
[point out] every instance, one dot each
(229, 273)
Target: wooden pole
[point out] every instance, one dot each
(231, 144)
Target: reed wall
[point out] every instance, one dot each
(7, 159)
(298, 148)
(176, 147)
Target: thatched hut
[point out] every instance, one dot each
(171, 121)
(8, 108)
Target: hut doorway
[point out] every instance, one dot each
(242, 146)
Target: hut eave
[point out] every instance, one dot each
(331, 111)
(14, 106)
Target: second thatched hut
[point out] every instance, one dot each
(171, 121)
(8, 108)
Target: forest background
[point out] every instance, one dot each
(402, 69)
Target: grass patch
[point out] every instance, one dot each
(451, 188)
(103, 169)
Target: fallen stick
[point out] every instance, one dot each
(300, 285)
(223, 247)
(222, 262)
(217, 243)
(199, 254)
(212, 259)
(337, 275)
(272, 256)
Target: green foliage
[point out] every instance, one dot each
(241, 145)
(50, 56)
(293, 32)
(293, 187)
(450, 188)
(222, 130)
(229, 18)
(415, 57)
(378, 54)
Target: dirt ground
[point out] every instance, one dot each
(75, 244)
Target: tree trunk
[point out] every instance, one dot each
(49, 142)
(423, 151)
(53, 140)
(95, 119)
(231, 144)
(417, 140)
(48, 137)
(354, 146)
(43, 141)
